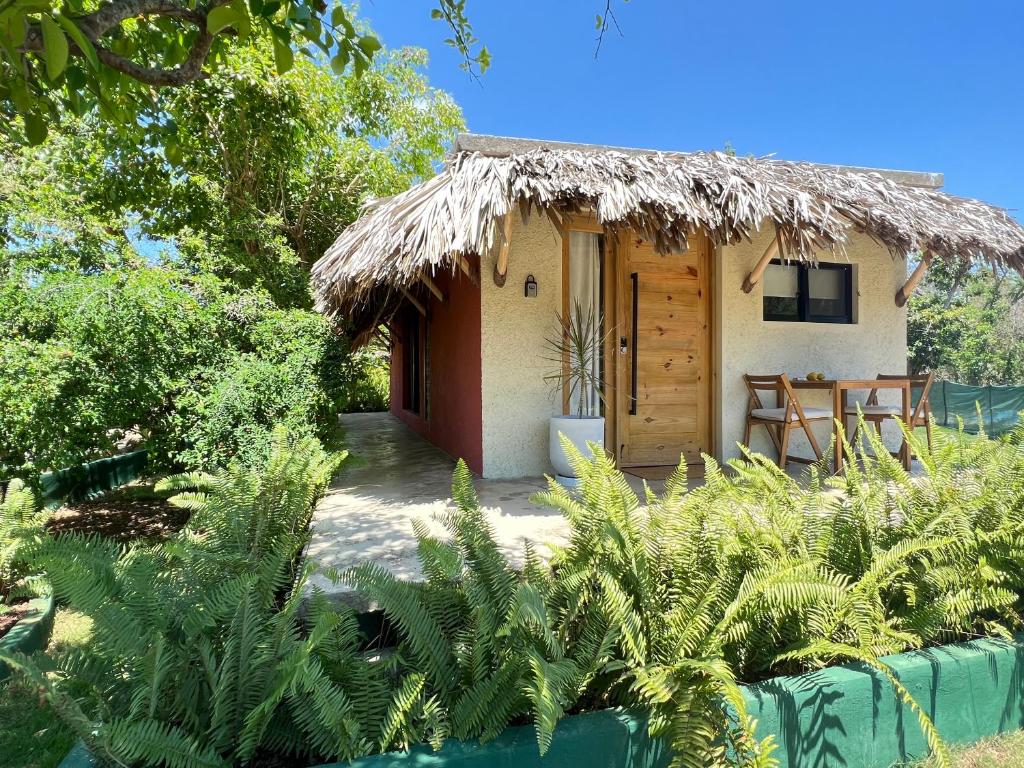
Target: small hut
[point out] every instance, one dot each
(699, 266)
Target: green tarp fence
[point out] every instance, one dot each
(1000, 406)
(91, 479)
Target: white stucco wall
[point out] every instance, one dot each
(517, 402)
(876, 343)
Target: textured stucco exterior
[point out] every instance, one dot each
(517, 401)
(875, 343)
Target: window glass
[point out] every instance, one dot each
(781, 292)
(586, 286)
(808, 294)
(826, 292)
(411, 363)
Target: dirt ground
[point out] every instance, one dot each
(130, 513)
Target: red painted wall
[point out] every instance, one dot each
(454, 404)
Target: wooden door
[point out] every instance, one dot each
(664, 402)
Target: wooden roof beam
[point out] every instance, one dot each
(432, 287)
(755, 275)
(414, 301)
(904, 293)
(501, 263)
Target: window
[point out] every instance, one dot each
(586, 286)
(801, 293)
(412, 363)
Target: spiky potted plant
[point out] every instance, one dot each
(576, 348)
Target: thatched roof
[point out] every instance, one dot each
(664, 196)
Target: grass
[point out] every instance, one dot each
(30, 733)
(1005, 751)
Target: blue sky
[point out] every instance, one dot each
(933, 86)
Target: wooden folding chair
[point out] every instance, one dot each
(920, 416)
(787, 415)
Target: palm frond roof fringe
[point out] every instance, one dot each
(663, 196)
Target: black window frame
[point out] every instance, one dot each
(803, 297)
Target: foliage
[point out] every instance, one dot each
(669, 604)
(967, 325)
(261, 172)
(115, 58)
(196, 650)
(365, 380)
(21, 525)
(198, 369)
(575, 350)
(246, 175)
(665, 603)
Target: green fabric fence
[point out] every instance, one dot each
(999, 406)
(91, 479)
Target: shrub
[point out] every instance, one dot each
(366, 380)
(89, 354)
(201, 371)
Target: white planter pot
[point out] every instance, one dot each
(580, 430)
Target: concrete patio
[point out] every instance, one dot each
(395, 477)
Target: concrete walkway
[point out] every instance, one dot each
(396, 477)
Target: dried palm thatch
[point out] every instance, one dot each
(665, 197)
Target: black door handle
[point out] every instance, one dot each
(635, 280)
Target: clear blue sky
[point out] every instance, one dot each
(924, 85)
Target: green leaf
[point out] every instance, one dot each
(369, 45)
(284, 59)
(83, 43)
(35, 128)
(338, 16)
(55, 47)
(340, 60)
(221, 17)
(16, 29)
(173, 153)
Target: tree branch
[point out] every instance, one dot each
(111, 15)
(189, 71)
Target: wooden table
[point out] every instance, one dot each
(840, 389)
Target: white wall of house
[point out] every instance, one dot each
(517, 402)
(875, 343)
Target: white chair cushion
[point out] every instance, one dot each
(778, 414)
(876, 410)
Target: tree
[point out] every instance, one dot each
(245, 175)
(967, 325)
(114, 57)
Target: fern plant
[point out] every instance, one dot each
(202, 656)
(22, 522)
(480, 635)
(200, 653)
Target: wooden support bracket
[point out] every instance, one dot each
(555, 219)
(501, 264)
(432, 286)
(415, 302)
(903, 294)
(771, 252)
(468, 270)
